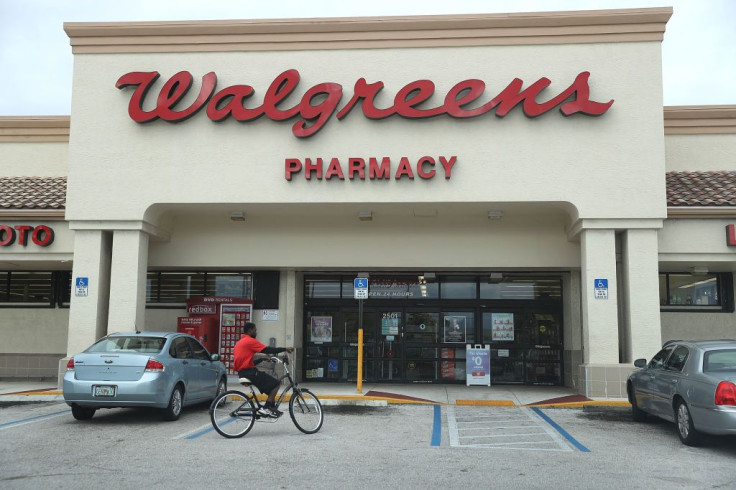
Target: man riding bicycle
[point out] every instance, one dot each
(244, 351)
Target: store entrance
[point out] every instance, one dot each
(409, 341)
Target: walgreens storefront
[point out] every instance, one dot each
(499, 178)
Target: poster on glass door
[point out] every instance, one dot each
(502, 327)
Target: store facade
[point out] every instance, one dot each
(499, 179)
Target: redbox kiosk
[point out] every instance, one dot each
(221, 319)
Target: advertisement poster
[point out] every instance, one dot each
(321, 329)
(478, 365)
(455, 329)
(502, 326)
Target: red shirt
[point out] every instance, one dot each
(244, 350)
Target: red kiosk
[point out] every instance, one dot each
(217, 322)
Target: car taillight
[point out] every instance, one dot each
(70, 365)
(726, 393)
(153, 366)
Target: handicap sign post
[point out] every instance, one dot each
(600, 287)
(81, 286)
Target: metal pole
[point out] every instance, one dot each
(360, 346)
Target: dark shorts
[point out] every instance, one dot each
(263, 381)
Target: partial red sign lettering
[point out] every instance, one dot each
(319, 102)
(355, 168)
(41, 235)
(731, 235)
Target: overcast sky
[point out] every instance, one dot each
(699, 48)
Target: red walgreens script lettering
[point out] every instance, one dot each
(320, 102)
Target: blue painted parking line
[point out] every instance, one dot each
(28, 420)
(437, 426)
(562, 431)
(200, 433)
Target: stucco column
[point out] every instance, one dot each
(128, 281)
(641, 293)
(600, 316)
(88, 314)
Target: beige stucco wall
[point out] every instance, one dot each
(395, 240)
(514, 159)
(33, 330)
(694, 326)
(700, 152)
(34, 159)
(56, 256)
(684, 243)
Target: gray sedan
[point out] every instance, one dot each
(690, 383)
(164, 370)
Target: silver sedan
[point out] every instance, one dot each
(164, 370)
(690, 383)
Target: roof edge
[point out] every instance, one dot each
(584, 26)
(34, 128)
(700, 119)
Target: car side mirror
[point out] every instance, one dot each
(640, 363)
(215, 357)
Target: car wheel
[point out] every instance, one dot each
(637, 414)
(83, 413)
(221, 388)
(685, 429)
(173, 411)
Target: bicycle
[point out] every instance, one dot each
(234, 412)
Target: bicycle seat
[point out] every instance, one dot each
(245, 381)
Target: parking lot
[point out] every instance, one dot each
(358, 447)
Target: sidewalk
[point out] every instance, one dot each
(374, 394)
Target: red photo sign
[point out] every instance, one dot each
(41, 235)
(319, 102)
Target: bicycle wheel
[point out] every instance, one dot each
(232, 414)
(306, 411)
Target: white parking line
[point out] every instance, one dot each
(511, 428)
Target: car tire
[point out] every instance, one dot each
(176, 401)
(83, 413)
(637, 414)
(221, 388)
(685, 429)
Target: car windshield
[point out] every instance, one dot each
(719, 361)
(133, 343)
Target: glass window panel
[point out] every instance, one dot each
(27, 287)
(421, 370)
(663, 289)
(327, 287)
(687, 289)
(152, 286)
(400, 287)
(422, 327)
(176, 287)
(521, 288)
(235, 284)
(458, 327)
(458, 287)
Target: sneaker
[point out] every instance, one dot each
(269, 412)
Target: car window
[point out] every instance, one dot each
(658, 360)
(198, 351)
(180, 348)
(133, 343)
(678, 358)
(719, 361)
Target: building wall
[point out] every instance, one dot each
(514, 159)
(35, 159)
(700, 152)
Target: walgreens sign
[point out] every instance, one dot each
(320, 102)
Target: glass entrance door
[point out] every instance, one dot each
(526, 346)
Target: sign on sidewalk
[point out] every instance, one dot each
(477, 365)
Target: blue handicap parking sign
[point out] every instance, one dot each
(82, 282)
(360, 283)
(601, 283)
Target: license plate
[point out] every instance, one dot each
(103, 391)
